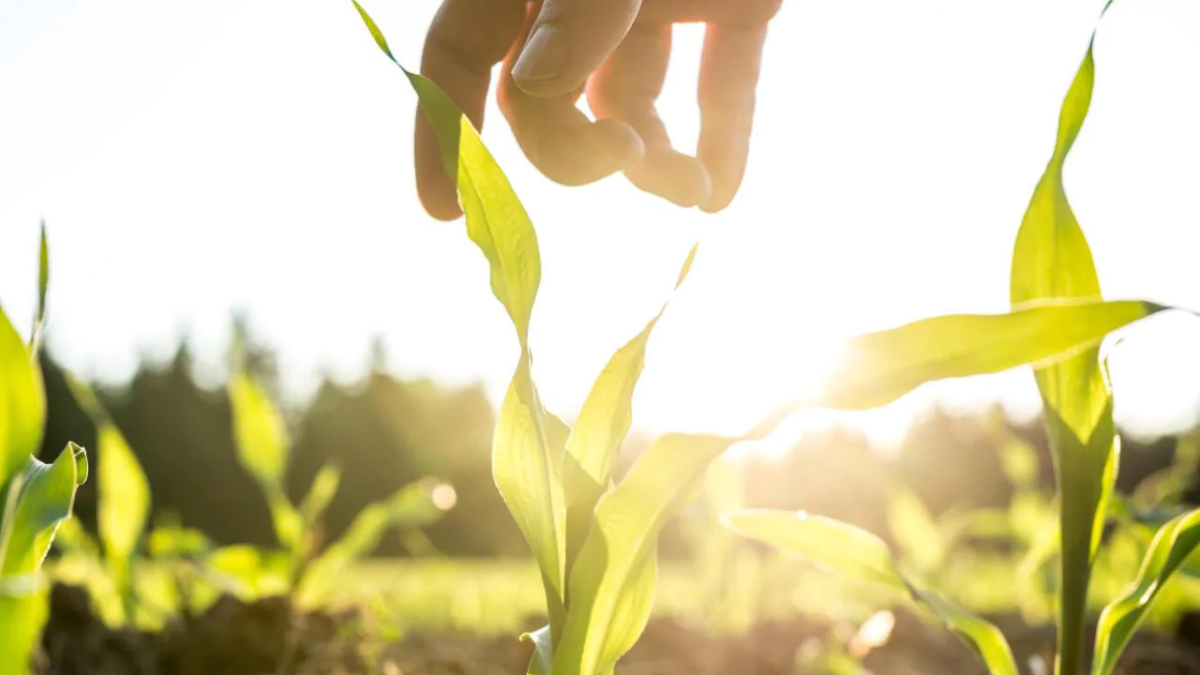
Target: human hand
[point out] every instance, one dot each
(617, 52)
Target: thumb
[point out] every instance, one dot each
(569, 40)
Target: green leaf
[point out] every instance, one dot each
(883, 366)
(543, 651)
(500, 227)
(862, 557)
(259, 431)
(23, 616)
(1052, 259)
(46, 494)
(123, 494)
(633, 611)
(627, 522)
(22, 403)
(39, 322)
(983, 637)
(438, 108)
(261, 438)
(1171, 546)
(830, 544)
(412, 506)
(170, 539)
(527, 465)
(601, 427)
(527, 468)
(322, 491)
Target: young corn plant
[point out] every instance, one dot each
(594, 538)
(123, 509)
(1056, 325)
(34, 497)
(305, 566)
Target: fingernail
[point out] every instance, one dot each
(544, 55)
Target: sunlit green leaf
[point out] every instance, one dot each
(1052, 260)
(528, 474)
(987, 640)
(627, 522)
(39, 322)
(170, 539)
(22, 402)
(600, 429)
(880, 367)
(860, 556)
(830, 544)
(322, 491)
(23, 616)
(543, 651)
(47, 492)
(413, 505)
(1171, 546)
(259, 431)
(123, 494)
(633, 611)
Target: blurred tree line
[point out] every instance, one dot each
(387, 431)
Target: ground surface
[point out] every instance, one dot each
(269, 637)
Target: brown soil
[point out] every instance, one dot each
(268, 637)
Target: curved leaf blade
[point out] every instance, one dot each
(39, 322)
(881, 367)
(543, 651)
(123, 494)
(46, 495)
(260, 434)
(860, 556)
(830, 544)
(22, 403)
(1171, 546)
(601, 427)
(626, 525)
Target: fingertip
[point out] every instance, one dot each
(674, 176)
(439, 197)
(718, 201)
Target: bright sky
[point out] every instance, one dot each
(195, 158)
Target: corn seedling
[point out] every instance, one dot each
(594, 539)
(304, 567)
(1052, 275)
(123, 509)
(34, 497)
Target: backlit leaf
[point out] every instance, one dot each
(23, 616)
(39, 322)
(259, 431)
(543, 651)
(830, 544)
(320, 493)
(600, 429)
(1052, 259)
(123, 500)
(860, 556)
(627, 522)
(22, 403)
(883, 366)
(1171, 546)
